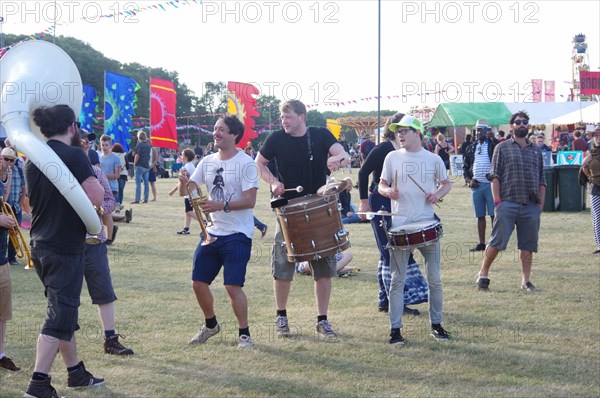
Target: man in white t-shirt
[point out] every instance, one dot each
(411, 203)
(231, 181)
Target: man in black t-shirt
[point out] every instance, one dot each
(57, 246)
(303, 157)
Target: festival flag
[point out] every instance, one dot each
(120, 102)
(536, 89)
(89, 107)
(549, 90)
(589, 82)
(240, 102)
(163, 126)
(335, 127)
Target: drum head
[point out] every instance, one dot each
(332, 187)
(413, 227)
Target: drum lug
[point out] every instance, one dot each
(314, 246)
(329, 212)
(285, 220)
(307, 218)
(341, 234)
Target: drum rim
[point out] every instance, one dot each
(422, 225)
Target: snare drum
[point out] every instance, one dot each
(414, 235)
(312, 228)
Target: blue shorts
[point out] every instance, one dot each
(62, 276)
(151, 176)
(482, 199)
(527, 219)
(232, 252)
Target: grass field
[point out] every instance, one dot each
(506, 342)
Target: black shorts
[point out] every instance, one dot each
(62, 276)
(97, 274)
(188, 205)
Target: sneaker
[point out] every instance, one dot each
(479, 248)
(263, 231)
(8, 364)
(411, 311)
(135, 202)
(245, 342)
(439, 333)
(82, 378)
(184, 232)
(528, 287)
(40, 389)
(205, 334)
(324, 329)
(384, 308)
(13, 262)
(114, 347)
(144, 201)
(396, 338)
(281, 326)
(482, 284)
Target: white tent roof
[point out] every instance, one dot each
(546, 112)
(589, 114)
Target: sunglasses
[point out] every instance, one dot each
(9, 159)
(524, 121)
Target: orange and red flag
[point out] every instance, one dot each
(163, 125)
(241, 102)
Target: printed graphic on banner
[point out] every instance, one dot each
(120, 102)
(536, 90)
(241, 102)
(589, 82)
(570, 157)
(89, 107)
(163, 124)
(549, 90)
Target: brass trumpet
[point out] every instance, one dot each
(203, 218)
(15, 235)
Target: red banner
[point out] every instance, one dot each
(536, 90)
(589, 82)
(241, 102)
(549, 91)
(163, 126)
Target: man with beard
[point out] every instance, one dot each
(57, 250)
(476, 166)
(518, 188)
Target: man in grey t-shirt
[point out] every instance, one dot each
(141, 161)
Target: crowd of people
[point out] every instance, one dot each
(400, 182)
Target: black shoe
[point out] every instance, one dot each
(8, 364)
(128, 215)
(384, 308)
(528, 287)
(82, 378)
(13, 262)
(396, 338)
(439, 333)
(482, 284)
(479, 248)
(597, 251)
(114, 347)
(411, 311)
(114, 234)
(40, 389)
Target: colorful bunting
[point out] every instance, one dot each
(120, 102)
(163, 126)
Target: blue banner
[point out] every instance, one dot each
(89, 107)
(120, 102)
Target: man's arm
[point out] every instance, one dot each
(277, 186)
(338, 157)
(93, 190)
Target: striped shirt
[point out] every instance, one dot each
(481, 165)
(520, 171)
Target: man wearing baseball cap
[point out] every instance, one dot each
(402, 171)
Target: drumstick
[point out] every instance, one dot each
(298, 189)
(421, 188)
(396, 181)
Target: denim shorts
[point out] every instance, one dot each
(482, 199)
(62, 276)
(526, 217)
(97, 274)
(232, 252)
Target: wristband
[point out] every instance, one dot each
(497, 202)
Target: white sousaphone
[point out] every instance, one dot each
(33, 74)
